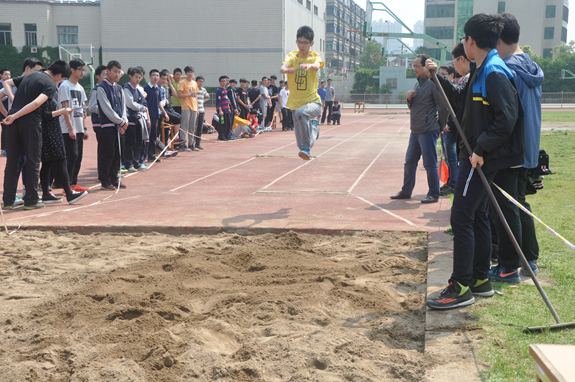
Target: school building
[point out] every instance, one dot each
(543, 22)
(239, 38)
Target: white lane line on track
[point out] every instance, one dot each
(384, 210)
(246, 161)
(48, 213)
(373, 161)
(325, 152)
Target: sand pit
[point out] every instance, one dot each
(153, 307)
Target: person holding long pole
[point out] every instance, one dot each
(493, 124)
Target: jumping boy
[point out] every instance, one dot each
(301, 67)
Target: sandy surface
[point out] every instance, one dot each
(288, 307)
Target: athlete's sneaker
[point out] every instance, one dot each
(454, 296)
(8, 207)
(304, 154)
(3, 153)
(534, 268)
(108, 187)
(481, 287)
(132, 169)
(142, 167)
(18, 201)
(34, 206)
(76, 196)
(502, 275)
(51, 199)
(77, 188)
(123, 170)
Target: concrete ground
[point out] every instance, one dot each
(261, 184)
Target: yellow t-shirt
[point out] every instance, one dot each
(189, 103)
(303, 83)
(175, 98)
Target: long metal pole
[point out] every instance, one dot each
(494, 201)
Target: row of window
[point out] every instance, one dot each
(308, 6)
(549, 34)
(66, 34)
(355, 22)
(442, 10)
(343, 48)
(550, 11)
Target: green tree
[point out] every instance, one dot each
(363, 81)
(366, 60)
(527, 50)
(385, 89)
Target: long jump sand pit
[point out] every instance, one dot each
(227, 307)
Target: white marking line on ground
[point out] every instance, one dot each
(384, 210)
(373, 161)
(325, 152)
(73, 208)
(244, 162)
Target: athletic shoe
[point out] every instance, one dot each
(177, 140)
(199, 147)
(328, 124)
(120, 175)
(171, 154)
(534, 268)
(481, 287)
(76, 196)
(3, 153)
(142, 167)
(123, 186)
(502, 275)
(185, 149)
(34, 206)
(400, 195)
(446, 190)
(18, 201)
(454, 296)
(123, 170)
(195, 148)
(8, 207)
(50, 199)
(77, 188)
(304, 154)
(132, 169)
(109, 187)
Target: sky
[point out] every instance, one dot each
(410, 11)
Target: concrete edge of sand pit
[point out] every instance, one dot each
(447, 333)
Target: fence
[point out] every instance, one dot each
(395, 101)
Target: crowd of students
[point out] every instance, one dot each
(52, 108)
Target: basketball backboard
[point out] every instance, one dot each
(68, 52)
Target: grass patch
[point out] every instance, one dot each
(504, 345)
(558, 116)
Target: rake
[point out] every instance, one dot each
(559, 324)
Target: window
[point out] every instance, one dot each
(550, 12)
(30, 34)
(565, 14)
(547, 53)
(67, 35)
(5, 34)
(308, 4)
(549, 33)
(434, 11)
(435, 53)
(501, 7)
(441, 33)
(330, 27)
(330, 10)
(564, 34)
(315, 10)
(464, 13)
(328, 45)
(392, 83)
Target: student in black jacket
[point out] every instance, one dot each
(493, 124)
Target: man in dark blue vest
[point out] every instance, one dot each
(156, 111)
(113, 123)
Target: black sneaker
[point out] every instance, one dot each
(76, 196)
(481, 287)
(50, 199)
(454, 296)
(446, 190)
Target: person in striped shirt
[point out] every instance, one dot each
(223, 107)
(202, 95)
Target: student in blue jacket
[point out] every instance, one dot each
(493, 124)
(529, 79)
